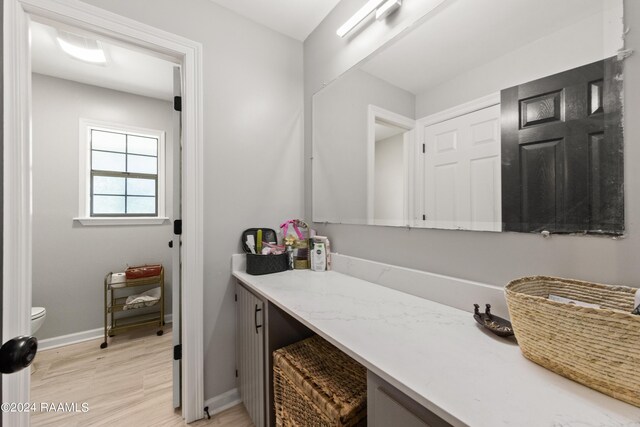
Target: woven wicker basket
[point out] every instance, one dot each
(597, 347)
(317, 385)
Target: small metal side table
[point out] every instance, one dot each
(113, 304)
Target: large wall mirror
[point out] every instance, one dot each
(490, 115)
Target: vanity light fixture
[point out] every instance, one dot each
(382, 8)
(387, 9)
(82, 48)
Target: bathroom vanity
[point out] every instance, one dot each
(428, 363)
(450, 126)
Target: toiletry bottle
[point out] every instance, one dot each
(289, 242)
(259, 242)
(327, 249)
(319, 257)
(290, 255)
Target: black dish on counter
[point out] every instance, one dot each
(497, 325)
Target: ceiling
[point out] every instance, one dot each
(127, 69)
(131, 70)
(385, 130)
(469, 33)
(295, 18)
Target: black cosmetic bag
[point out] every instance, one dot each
(258, 264)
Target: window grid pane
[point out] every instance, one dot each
(106, 161)
(142, 164)
(124, 178)
(105, 203)
(108, 141)
(108, 205)
(109, 185)
(141, 187)
(142, 145)
(141, 205)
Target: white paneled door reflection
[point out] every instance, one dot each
(462, 187)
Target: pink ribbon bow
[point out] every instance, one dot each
(285, 228)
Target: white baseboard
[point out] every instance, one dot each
(78, 337)
(223, 401)
(69, 339)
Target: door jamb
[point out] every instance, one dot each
(377, 113)
(17, 180)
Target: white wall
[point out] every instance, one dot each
(493, 258)
(388, 199)
(252, 146)
(71, 260)
(571, 47)
(340, 149)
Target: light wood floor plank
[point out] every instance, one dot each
(128, 383)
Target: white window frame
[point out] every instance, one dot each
(84, 166)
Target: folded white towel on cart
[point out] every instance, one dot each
(145, 299)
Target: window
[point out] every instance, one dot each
(123, 174)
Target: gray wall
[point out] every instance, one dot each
(493, 258)
(70, 260)
(340, 160)
(253, 146)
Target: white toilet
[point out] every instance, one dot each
(38, 315)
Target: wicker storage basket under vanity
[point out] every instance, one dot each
(597, 347)
(315, 384)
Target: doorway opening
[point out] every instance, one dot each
(390, 168)
(105, 157)
(18, 150)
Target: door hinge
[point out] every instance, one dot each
(236, 297)
(177, 352)
(177, 103)
(424, 148)
(177, 227)
(236, 373)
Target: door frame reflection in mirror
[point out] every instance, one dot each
(379, 114)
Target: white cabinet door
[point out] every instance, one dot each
(462, 186)
(250, 353)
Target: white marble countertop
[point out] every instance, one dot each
(437, 354)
